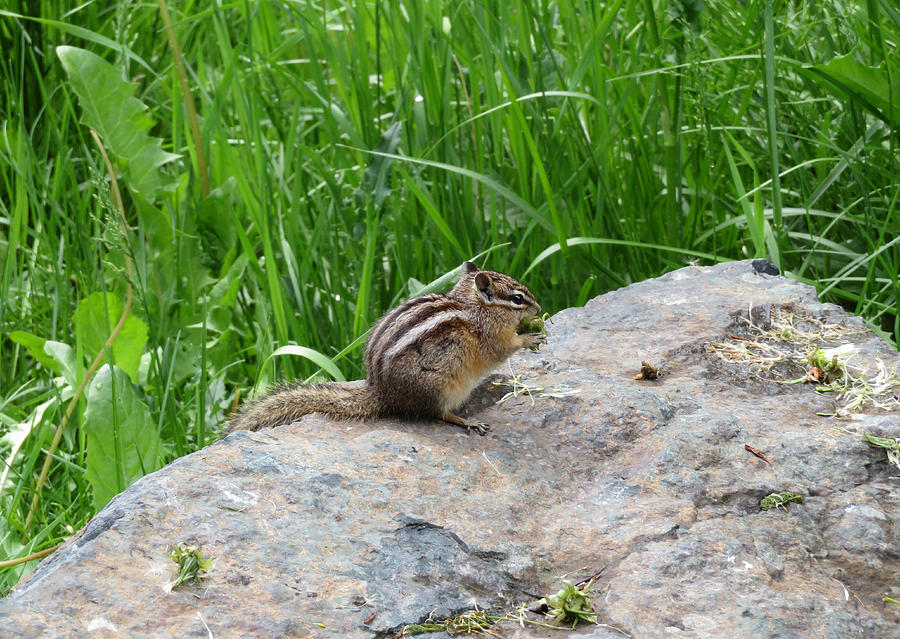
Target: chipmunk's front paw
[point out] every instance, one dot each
(533, 340)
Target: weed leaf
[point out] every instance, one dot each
(94, 320)
(35, 346)
(870, 86)
(224, 292)
(64, 357)
(109, 107)
(15, 437)
(123, 444)
(55, 356)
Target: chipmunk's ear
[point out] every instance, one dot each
(484, 285)
(468, 268)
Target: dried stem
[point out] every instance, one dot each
(35, 555)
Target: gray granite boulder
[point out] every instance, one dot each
(329, 529)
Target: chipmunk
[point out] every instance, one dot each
(422, 359)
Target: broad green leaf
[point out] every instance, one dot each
(17, 434)
(123, 444)
(10, 547)
(186, 357)
(35, 346)
(225, 291)
(109, 107)
(56, 356)
(180, 359)
(849, 79)
(156, 222)
(94, 320)
(64, 357)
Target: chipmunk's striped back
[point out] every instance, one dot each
(406, 327)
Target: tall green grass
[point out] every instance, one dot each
(343, 153)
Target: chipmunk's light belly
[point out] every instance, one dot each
(458, 391)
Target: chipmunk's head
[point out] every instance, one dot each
(495, 291)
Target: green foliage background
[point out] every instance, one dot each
(343, 152)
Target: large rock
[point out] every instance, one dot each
(316, 526)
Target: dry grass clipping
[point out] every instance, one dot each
(796, 343)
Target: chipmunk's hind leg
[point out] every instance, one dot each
(478, 427)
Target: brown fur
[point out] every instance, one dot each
(287, 404)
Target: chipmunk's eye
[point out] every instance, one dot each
(517, 299)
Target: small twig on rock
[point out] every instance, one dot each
(758, 453)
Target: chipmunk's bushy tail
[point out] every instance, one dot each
(287, 404)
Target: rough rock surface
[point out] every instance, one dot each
(316, 526)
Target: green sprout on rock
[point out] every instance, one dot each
(192, 565)
(890, 445)
(779, 499)
(571, 604)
